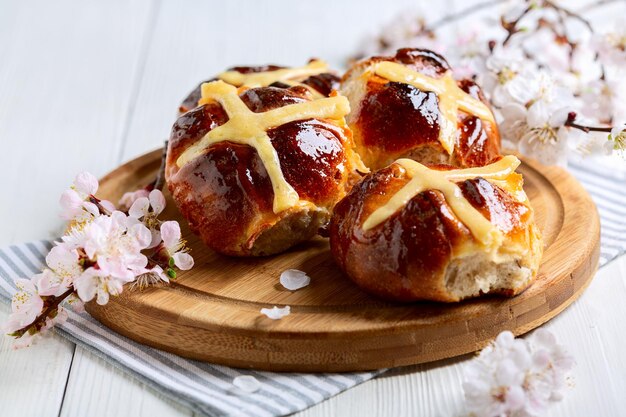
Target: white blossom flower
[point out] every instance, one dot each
(174, 246)
(611, 46)
(515, 377)
(150, 277)
(617, 138)
(26, 305)
(73, 201)
(130, 197)
(276, 313)
(292, 279)
(116, 247)
(504, 66)
(96, 283)
(605, 100)
(146, 210)
(63, 267)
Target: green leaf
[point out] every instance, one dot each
(171, 263)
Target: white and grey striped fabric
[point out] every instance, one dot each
(608, 190)
(208, 389)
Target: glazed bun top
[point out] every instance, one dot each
(408, 105)
(410, 232)
(315, 76)
(442, 213)
(247, 158)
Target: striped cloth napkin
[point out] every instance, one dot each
(208, 389)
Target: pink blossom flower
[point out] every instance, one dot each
(611, 46)
(26, 305)
(63, 267)
(152, 276)
(170, 232)
(141, 207)
(147, 209)
(129, 198)
(115, 247)
(96, 283)
(515, 377)
(73, 201)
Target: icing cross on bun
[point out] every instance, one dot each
(411, 232)
(249, 128)
(315, 76)
(257, 170)
(410, 106)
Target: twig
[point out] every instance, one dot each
(452, 17)
(511, 27)
(588, 129)
(95, 200)
(569, 13)
(571, 122)
(41, 318)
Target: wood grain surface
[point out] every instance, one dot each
(212, 312)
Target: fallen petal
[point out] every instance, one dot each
(276, 313)
(247, 383)
(292, 279)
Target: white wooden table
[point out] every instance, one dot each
(90, 84)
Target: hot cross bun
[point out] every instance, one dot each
(409, 232)
(435, 120)
(257, 170)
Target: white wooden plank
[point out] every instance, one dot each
(32, 381)
(65, 87)
(96, 388)
(66, 76)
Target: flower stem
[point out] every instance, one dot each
(511, 27)
(571, 122)
(569, 13)
(588, 129)
(41, 318)
(95, 200)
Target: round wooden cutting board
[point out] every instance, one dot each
(211, 313)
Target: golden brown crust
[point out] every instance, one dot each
(405, 258)
(323, 83)
(391, 120)
(226, 193)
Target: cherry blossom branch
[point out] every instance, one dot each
(511, 27)
(453, 17)
(571, 122)
(568, 13)
(108, 249)
(41, 318)
(588, 129)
